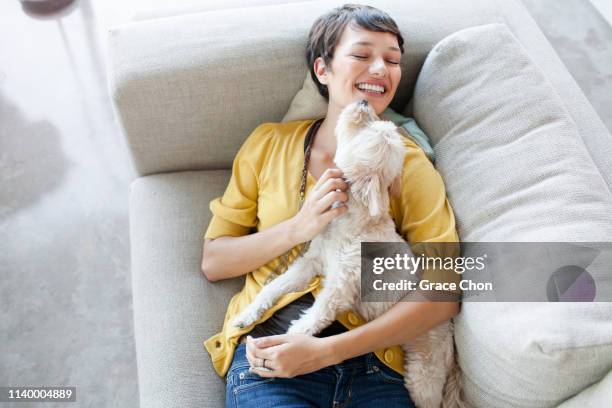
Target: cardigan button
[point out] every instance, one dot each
(389, 356)
(353, 319)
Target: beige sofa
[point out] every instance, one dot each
(188, 88)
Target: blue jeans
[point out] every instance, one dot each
(358, 382)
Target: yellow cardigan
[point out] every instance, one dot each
(263, 191)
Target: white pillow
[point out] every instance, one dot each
(308, 103)
(516, 169)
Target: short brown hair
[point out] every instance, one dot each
(327, 29)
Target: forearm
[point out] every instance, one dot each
(229, 257)
(404, 321)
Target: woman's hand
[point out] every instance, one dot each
(317, 210)
(289, 355)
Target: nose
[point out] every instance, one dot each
(378, 67)
(363, 102)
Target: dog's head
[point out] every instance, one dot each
(370, 153)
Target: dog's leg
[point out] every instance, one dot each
(295, 278)
(322, 313)
(427, 361)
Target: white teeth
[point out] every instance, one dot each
(371, 87)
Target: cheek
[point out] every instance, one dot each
(353, 70)
(395, 79)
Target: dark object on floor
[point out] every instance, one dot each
(44, 7)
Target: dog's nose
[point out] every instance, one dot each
(363, 102)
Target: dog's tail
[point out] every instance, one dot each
(452, 397)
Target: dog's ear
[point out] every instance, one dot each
(368, 189)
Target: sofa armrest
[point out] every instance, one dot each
(175, 308)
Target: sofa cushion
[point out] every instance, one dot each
(175, 307)
(516, 169)
(308, 103)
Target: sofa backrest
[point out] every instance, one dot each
(189, 89)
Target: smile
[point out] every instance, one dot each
(370, 89)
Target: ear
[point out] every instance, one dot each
(320, 70)
(368, 189)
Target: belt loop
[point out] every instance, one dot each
(369, 363)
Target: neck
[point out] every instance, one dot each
(325, 142)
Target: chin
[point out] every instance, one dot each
(379, 106)
(380, 109)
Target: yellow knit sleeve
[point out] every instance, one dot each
(235, 213)
(424, 216)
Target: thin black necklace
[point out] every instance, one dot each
(283, 261)
(312, 132)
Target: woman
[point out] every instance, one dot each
(353, 53)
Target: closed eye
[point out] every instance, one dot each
(364, 57)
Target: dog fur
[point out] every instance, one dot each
(370, 153)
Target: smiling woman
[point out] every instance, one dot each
(283, 186)
(365, 54)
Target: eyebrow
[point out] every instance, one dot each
(370, 44)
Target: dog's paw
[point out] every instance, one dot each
(247, 317)
(302, 326)
(241, 322)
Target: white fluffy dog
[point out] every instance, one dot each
(371, 154)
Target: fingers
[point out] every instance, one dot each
(335, 183)
(333, 213)
(256, 353)
(317, 210)
(264, 373)
(255, 361)
(324, 203)
(331, 179)
(327, 174)
(256, 365)
(268, 341)
(257, 356)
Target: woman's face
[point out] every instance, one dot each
(366, 65)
